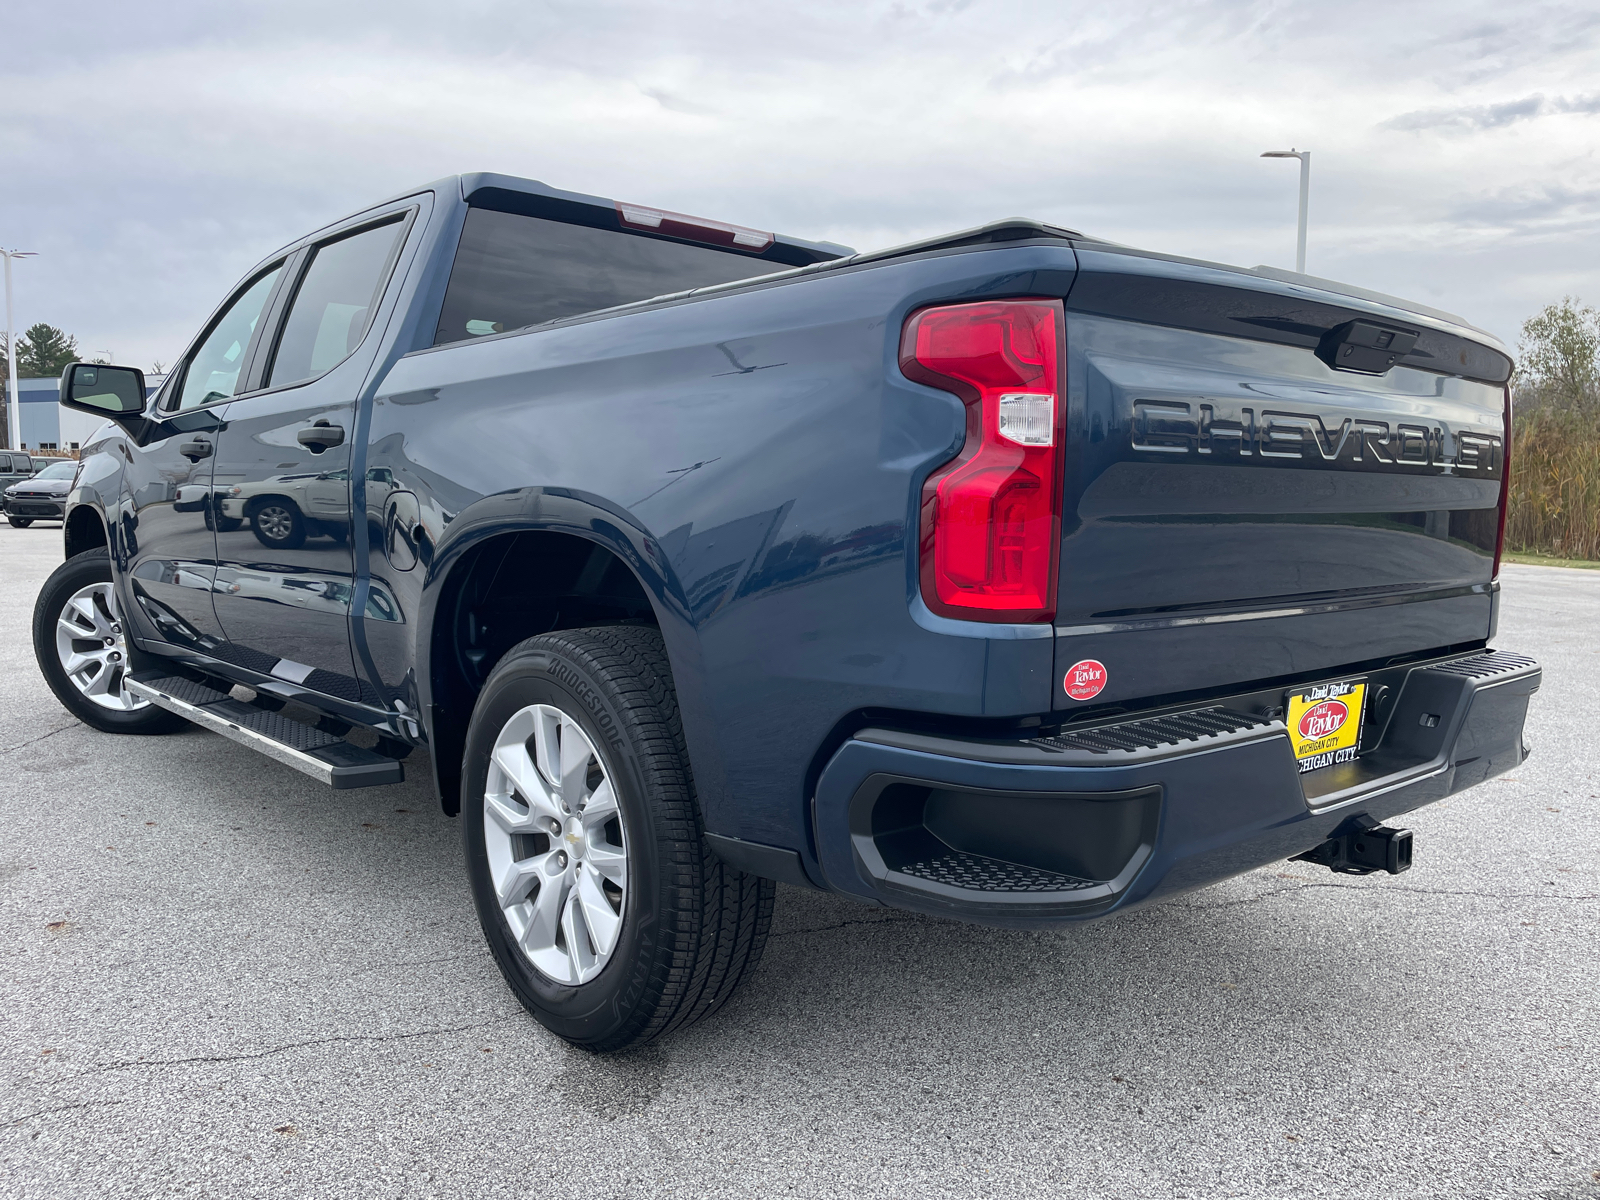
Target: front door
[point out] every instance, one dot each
(164, 523)
(285, 570)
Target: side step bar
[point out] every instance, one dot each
(333, 760)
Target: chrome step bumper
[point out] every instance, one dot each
(321, 755)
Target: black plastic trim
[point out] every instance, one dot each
(769, 862)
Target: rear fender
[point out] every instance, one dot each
(579, 514)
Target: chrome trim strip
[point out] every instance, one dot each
(1298, 610)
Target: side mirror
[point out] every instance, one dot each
(115, 392)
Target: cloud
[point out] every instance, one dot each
(1471, 118)
(159, 160)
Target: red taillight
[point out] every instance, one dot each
(1505, 486)
(991, 518)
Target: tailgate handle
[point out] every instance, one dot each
(320, 436)
(1364, 347)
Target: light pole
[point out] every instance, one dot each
(13, 401)
(1305, 195)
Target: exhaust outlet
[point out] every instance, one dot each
(1362, 850)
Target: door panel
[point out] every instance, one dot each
(166, 534)
(168, 508)
(285, 574)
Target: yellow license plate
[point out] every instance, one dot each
(1325, 723)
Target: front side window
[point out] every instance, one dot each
(334, 304)
(213, 370)
(512, 270)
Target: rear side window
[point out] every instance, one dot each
(333, 305)
(513, 270)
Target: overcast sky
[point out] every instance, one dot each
(153, 152)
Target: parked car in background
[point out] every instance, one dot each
(15, 467)
(43, 497)
(284, 510)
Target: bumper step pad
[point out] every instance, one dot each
(1156, 733)
(962, 870)
(334, 761)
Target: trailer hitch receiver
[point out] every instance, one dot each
(1364, 847)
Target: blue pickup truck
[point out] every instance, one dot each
(1013, 576)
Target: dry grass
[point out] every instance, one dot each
(1555, 486)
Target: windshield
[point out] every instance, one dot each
(59, 470)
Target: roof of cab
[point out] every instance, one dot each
(511, 193)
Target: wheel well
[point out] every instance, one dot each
(506, 589)
(256, 503)
(84, 530)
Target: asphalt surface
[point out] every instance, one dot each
(219, 978)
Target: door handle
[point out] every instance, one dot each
(195, 451)
(320, 436)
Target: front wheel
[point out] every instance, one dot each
(19, 522)
(607, 912)
(278, 524)
(82, 649)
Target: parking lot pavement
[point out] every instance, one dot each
(220, 978)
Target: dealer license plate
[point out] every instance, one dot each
(1325, 723)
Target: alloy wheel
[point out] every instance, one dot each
(557, 853)
(275, 522)
(94, 650)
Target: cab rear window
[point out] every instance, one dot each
(513, 270)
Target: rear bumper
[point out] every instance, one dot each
(1040, 832)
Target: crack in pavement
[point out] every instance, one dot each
(909, 917)
(41, 737)
(285, 1049)
(61, 1108)
(1414, 891)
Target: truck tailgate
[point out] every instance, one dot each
(1237, 511)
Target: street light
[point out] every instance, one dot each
(13, 401)
(1305, 195)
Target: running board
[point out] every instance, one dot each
(333, 760)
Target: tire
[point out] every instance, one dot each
(220, 524)
(79, 598)
(684, 928)
(278, 524)
(19, 522)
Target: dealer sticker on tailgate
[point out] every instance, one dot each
(1325, 723)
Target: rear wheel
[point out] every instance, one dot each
(82, 649)
(606, 910)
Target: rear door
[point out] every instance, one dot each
(286, 572)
